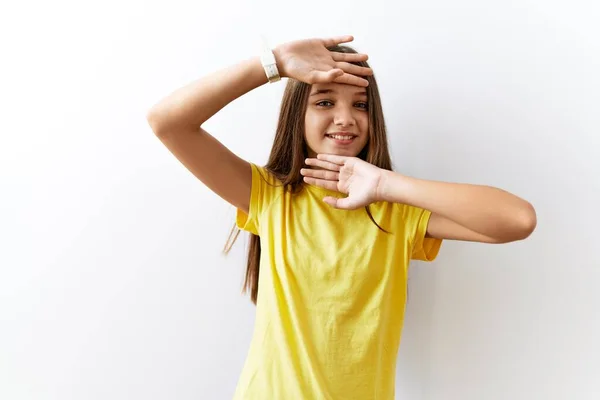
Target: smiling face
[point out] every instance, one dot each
(336, 119)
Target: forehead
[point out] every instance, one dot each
(337, 88)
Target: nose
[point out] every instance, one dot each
(344, 116)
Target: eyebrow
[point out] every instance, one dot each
(322, 91)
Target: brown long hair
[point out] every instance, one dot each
(289, 152)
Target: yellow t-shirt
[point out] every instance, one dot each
(331, 293)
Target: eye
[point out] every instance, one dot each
(320, 103)
(326, 103)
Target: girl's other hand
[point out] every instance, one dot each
(360, 180)
(311, 62)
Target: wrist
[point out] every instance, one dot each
(278, 53)
(393, 187)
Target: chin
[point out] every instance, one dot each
(347, 151)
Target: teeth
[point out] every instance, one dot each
(340, 137)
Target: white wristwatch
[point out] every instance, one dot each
(267, 59)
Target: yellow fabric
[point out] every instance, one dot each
(331, 297)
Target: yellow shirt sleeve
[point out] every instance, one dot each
(416, 220)
(264, 187)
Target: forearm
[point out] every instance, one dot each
(194, 104)
(487, 210)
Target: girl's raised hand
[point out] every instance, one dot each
(360, 180)
(311, 62)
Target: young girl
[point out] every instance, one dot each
(332, 227)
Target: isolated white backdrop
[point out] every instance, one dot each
(112, 284)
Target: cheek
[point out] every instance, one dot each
(364, 121)
(364, 127)
(313, 128)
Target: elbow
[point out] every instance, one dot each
(520, 227)
(155, 122)
(163, 123)
(527, 222)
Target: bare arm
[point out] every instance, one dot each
(464, 211)
(194, 104)
(176, 120)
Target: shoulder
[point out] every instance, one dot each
(407, 211)
(266, 186)
(396, 210)
(413, 220)
(262, 174)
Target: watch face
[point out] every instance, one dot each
(268, 57)
(272, 73)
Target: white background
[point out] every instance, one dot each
(112, 282)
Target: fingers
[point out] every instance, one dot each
(329, 76)
(345, 203)
(352, 74)
(328, 177)
(349, 57)
(332, 201)
(331, 185)
(337, 40)
(335, 73)
(321, 174)
(315, 162)
(349, 79)
(354, 69)
(338, 76)
(332, 158)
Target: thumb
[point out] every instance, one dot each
(329, 76)
(344, 203)
(335, 73)
(332, 201)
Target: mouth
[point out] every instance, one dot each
(341, 138)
